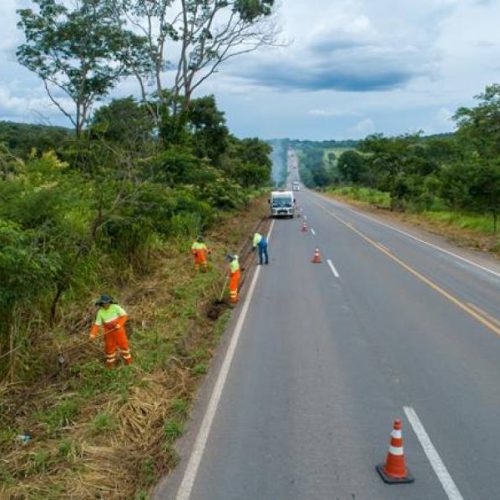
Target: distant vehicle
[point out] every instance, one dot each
(295, 186)
(282, 204)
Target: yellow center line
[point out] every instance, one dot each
(488, 316)
(383, 247)
(486, 320)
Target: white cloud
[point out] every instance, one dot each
(352, 67)
(363, 127)
(332, 112)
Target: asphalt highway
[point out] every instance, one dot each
(323, 357)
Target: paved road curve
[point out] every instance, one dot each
(329, 354)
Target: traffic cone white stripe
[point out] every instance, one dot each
(396, 451)
(396, 434)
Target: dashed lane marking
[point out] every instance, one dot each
(436, 247)
(332, 267)
(469, 310)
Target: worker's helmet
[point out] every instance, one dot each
(230, 257)
(200, 238)
(104, 299)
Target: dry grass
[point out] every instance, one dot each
(109, 434)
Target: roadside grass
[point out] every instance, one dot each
(465, 229)
(476, 222)
(366, 195)
(99, 433)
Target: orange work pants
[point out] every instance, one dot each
(234, 281)
(112, 340)
(200, 259)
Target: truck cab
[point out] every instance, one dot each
(282, 204)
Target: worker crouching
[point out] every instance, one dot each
(112, 318)
(234, 278)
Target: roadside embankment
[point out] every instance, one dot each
(474, 231)
(81, 431)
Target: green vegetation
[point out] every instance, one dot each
(98, 206)
(113, 205)
(172, 430)
(103, 422)
(371, 196)
(453, 179)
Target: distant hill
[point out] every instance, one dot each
(332, 144)
(21, 138)
(306, 143)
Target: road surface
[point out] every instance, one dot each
(327, 355)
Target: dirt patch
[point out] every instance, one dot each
(216, 308)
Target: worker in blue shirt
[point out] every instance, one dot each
(260, 241)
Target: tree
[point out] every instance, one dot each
(74, 51)
(124, 122)
(480, 126)
(479, 138)
(351, 166)
(249, 162)
(207, 125)
(199, 34)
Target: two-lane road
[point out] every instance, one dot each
(327, 355)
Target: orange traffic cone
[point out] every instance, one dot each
(304, 227)
(316, 257)
(394, 470)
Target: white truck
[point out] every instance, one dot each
(295, 186)
(282, 204)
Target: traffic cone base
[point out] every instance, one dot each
(316, 257)
(394, 480)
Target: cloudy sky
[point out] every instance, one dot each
(349, 68)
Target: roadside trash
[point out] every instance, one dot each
(24, 438)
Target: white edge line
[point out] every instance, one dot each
(332, 267)
(471, 262)
(186, 487)
(437, 464)
(313, 232)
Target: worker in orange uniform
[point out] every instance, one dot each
(234, 277)
(200, 253)
(112, 318)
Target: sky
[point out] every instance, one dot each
(344, 69)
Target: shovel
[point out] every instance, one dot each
(219, 301)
